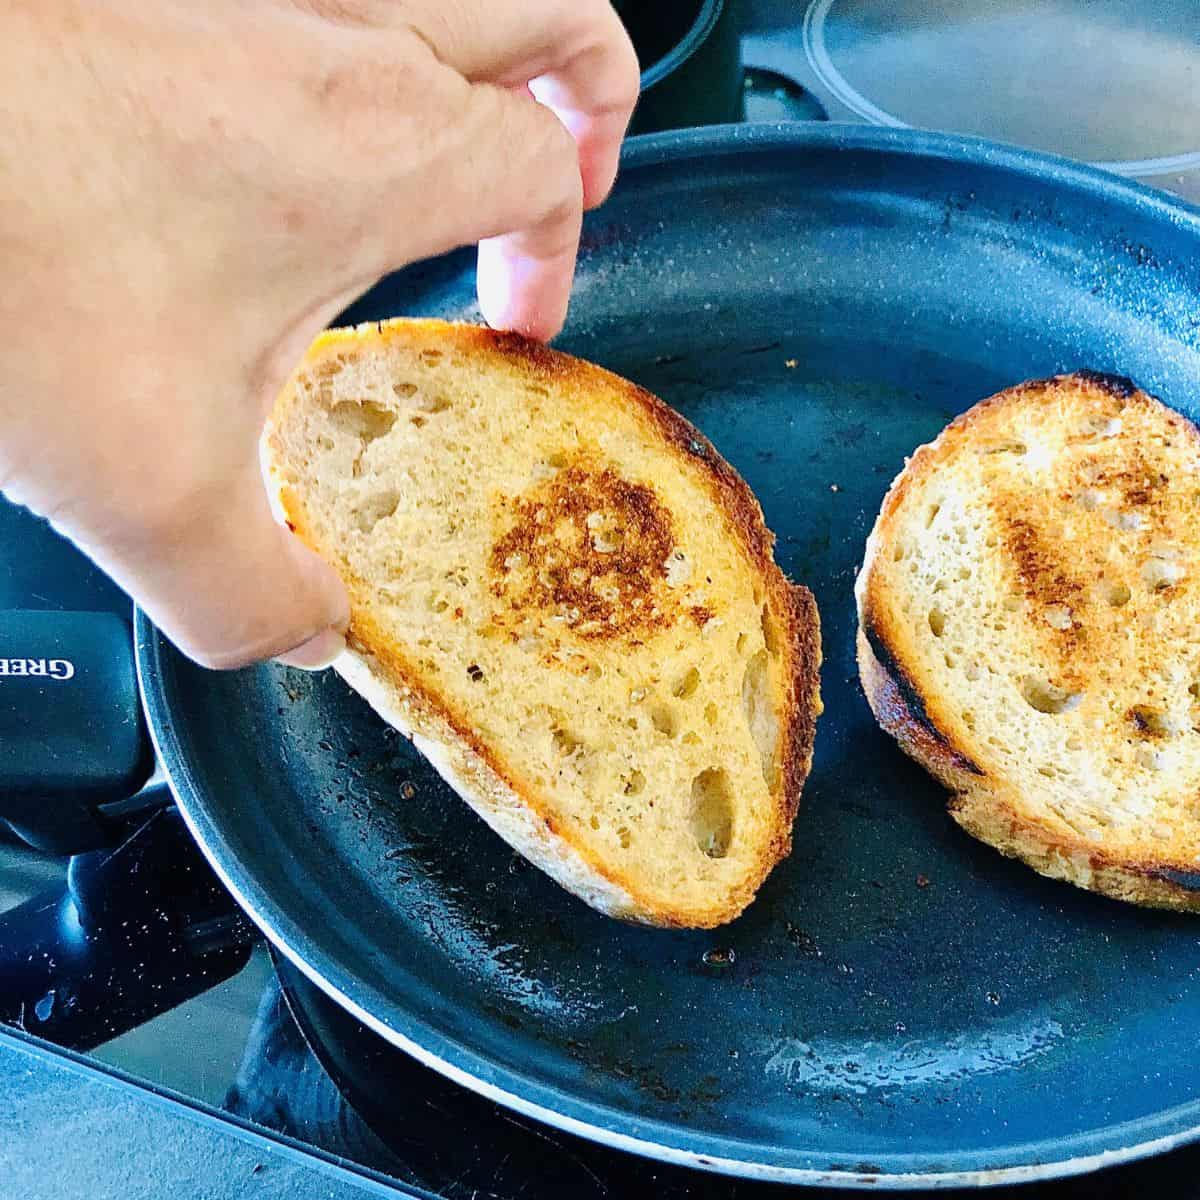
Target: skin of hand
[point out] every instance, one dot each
(190, 192)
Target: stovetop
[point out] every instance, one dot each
(95, 961)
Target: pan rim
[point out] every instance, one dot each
(1073, 1154)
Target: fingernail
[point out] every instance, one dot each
(315, 654)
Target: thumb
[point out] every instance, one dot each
(229, 586)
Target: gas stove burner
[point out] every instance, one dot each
(1112, 82)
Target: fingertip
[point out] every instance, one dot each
(521, 294)
(323, 586)
(318, 652)
(599, 177)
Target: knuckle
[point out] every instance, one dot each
(623, 72)
(556, 148)
(562, 193)
(627, 71)
(630, 81)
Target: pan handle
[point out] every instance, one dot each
(135, 931)
(74, 750)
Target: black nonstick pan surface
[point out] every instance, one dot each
(901, 1005)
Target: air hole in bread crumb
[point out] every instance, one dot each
(931, 515)
(1151, 759)
(1116, 593)
(664, 720)
(364, 419)
(536, 389)
(439, 404)
(937, 622)
(685, 689)
(760, 715)
(375, 509)
(1058, 616)
(1074, 743)
(431, 355)
(594, 821)
(417, 420)
(1119, 519)
(1048, 772)
(742, 640)
(558, 459)
(1045, 697)
(624, 837)
(1158, 574)
(1152, 722)
(635, 783)
(1005, 447)
(710, 713)
(969, 720)
(404, 390)
(899, 552)
(1099, 425)
(1013, 604)
(711, 816)
(565, 742)
(770, 634)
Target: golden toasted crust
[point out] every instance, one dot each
(404, 695)
(989, 805)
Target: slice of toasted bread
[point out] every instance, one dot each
(1029, 631)
(567, 598)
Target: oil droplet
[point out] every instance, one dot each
(718, 961)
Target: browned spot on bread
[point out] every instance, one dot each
(589, 549)
(1038, 563)
(1115, 385)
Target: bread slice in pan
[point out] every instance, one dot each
(1029, 612)
(567, 598)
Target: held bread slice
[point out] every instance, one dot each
(567, 599)
(1029, 612)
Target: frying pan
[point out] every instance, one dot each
(900, 1006)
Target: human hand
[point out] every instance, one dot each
(190, 192)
